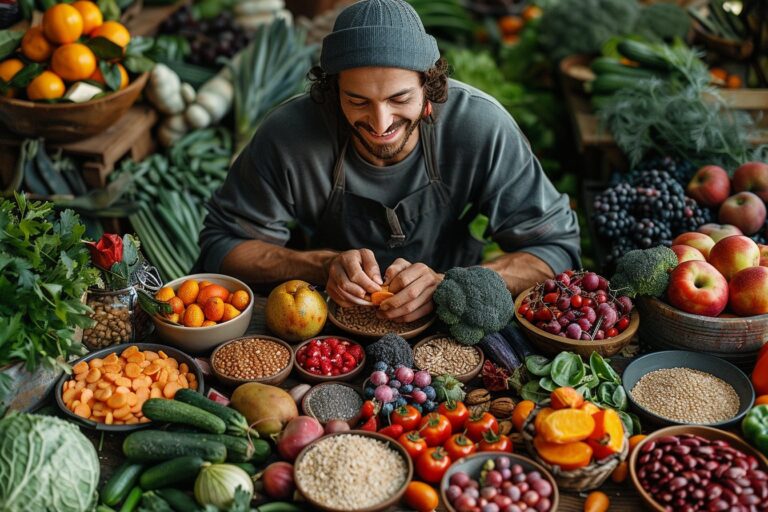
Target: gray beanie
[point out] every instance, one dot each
(379, 33)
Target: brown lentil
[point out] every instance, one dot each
(251, 358)
(113, 317)
(686, 395)
(332, 401)
(364, 319)
(350, 472)
(441, 356)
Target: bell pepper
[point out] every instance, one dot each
(755, 428)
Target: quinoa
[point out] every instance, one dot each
(445, 355)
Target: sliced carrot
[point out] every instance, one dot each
(111, 358)
(93, 386)
(131, 421)
(83, 410)
(111, 368)
(122, 412)
(163, 378)
(183, 368)
(94, 374)
(81, 367)
(81, 376)
(144, 420)
(109, 418)
(98, 414)
(171, 363)
(69, 395)
(162, 354)
(86, 395)
(156, 393)
(96, 363)
(80, 385)
(132, 398)
(104, 384)
(144, 364)
(102, 394)
(74, 404)
(132, 370)
(138, 357)
(98, 406)
(173, 376)
(136, 408)
(183, 381)
(129, 351)
(117, 401)
(112, 377)
(150, 355)
(122, 390)
(142, 393)
(152, 369)
(170, 389)
(123, 381)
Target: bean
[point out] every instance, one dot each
(712, 465)
(648, 447)
(677, 483)
(718, 506)
(733, 486)
(690, 442)
(730, 496)
(669, 460)
(681, 449)
(667, 440)
(713, 491)
(699, 494)
(644, 459)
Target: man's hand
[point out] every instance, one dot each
(413, 285)
(352, 274)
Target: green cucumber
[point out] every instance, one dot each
(239, 449)
(609, 84)
(279, 506)
(643, 54)
(120, 483)
(155, 445)
(132, 501)
(171, 472)
(246, 466)
(236, 423)
(173, 411)
(178, 500)
(609, 66)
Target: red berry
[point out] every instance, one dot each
(529, 315)
(577, 301)
(335, 371)
(612, 332)
(551, 298)
(349, 360)
(326, 367)
(346, 369)
(523, 309)
(588, 302)
(332, 342)
(544, 315)
(623, 323)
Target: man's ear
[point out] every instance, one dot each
(427, 109)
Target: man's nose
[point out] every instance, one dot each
(381, 118)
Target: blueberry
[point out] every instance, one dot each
(369, 392)
(394, 383)
(429, 405)
(406, 388)
(400, 402)
(381, 366)
(430, 392)
(387, 409)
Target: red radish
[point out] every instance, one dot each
(297, 434)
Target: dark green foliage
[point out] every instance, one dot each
(392, 349)
(663, 21)
(644, 272)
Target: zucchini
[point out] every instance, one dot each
(236, 423)
(609, 84)
(643, 54)
(120, 483)
(132, 501)
(178, 500)
(239, 449)
(173, 411)
(155, 445)
(171, 472)
(608, 66)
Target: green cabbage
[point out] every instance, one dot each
(46, 464)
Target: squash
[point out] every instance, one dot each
(608, 436)
(568, 456)
(567, 426)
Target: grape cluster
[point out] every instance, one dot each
(681, 170)
(395, 387)
(210, 39)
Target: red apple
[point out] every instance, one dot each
(700, 241)
(744, 210)
(763, 255)
(752, 177)
(748, 291)
(687, 253)
(710, 186)
(719, 231)
(734, 253)
(697, 287)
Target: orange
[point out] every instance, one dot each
(173, 317)
(230, 312)
(510, 25)
(188, 291)
(114, 31)
(531, 12)
(62, 24)
(733, 82)
(35, 46)
(240, 299)
(521, 412)
(165, 294)
(719, 74)
(761, 400)
(208, 323)
(203, 284)
(212, 290)
(635, 440)
(91, 14)
(73, 62)
(176, 305)
(46, 86)
(193, 316)
(214, 309)
(97, 77)
(8, 69)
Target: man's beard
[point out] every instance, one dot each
(386, 152)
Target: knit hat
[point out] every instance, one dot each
(381, 33)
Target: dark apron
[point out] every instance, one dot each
(423, 227)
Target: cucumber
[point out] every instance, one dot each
(608, 66)
(120, 483)
(236, 423)
(246, 466)
(132, 501)
(171, 472)
(172, 411)
(609, 84)
(643, 54)
(279, 506)
(239, 449)
(178, 500)
(155, 445)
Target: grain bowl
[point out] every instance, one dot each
(361, 321)
(441, 354)
(255, 358)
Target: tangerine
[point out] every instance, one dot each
(230, 312)
(188, 291)
(91, 14)
(510, 25)
(240, 299)
(35, 46)
(114, 31)
(173, 317)
(203, 284)
(214, 309)
(46, 86)
(165, 294)
(193, 316)
(98, 77)
(73, 62)
(62, 24)
(176, 305)
(208, 323)
(212, 290)
(8, 69)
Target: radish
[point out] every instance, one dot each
(298, 433)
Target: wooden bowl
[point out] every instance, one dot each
(472, 464)
(307, 411)
(736, 50)
(552, 345)
(312, 378)
(405, 334)
(392, 500)
(66, 122)
(705, 432)
(576, 71)
(273, 380)
(663, 323)
(465, 377)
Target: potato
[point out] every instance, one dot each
(267, 408)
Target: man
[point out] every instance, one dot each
(383, 165)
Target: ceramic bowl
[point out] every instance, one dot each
(352, 421)
(312, 378)
(464, 377)
(273, 380)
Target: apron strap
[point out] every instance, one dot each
(338, 169)
(429, 143)
(396, 236)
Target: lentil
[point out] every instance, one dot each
(350, 472)
(441, 356)
(251, 358)
(686, 395)
(332, 401)
(364, 319)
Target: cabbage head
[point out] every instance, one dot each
(46, 464)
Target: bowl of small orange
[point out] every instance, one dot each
(46, 80)
(206, 310)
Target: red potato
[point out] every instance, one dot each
(298, 433)
(278, 481)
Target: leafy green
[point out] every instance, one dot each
(601, 370)
(45, 273)
(538, 365)
(567, 369)
(662, 21)
(9, 41)
(532, 391)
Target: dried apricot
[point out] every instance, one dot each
(240, 299)
(188, 291)
(230, 312)
(165, 294)
(193, 316)
(210, 291)
(214, 308)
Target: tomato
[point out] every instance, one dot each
(393, 431)
(435, 428)
(610, 333)
(760, 376)
(523, 309)
(544, 315)
(408, 416)
(421, 497)
(478, 425)
(458, 446)
(576, 301)
(587, 302)
(529, 315)
(623, 323)
(432, 464)
(456, 412)
(762, 352)
(413, 443)
(492, 442)
(551, 298)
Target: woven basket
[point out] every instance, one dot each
(582, 479)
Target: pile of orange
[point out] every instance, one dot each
(202, 303)
(59, 43)
(510, 26)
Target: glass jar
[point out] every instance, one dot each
(118, 317)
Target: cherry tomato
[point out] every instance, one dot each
(610, 333)
(543, 315)
(456, 412)
(413, 443)
(435, 428)
(601, 298)
(459, 446)
(529, 315)
(522, 310)
(588, 302)
(576, 301)
(492, 442)
(623, 323)
(478, 425)
(569, 273)
(393, 431)
(421, 497)
(408, 416)
(551, 298)
(432, 464)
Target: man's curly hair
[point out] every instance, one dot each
(325, 88)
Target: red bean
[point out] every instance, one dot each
(704, 451)
(718, 506)
(666, 497)
(730, 496)
(691, 442)
(699, 494)
(743, 482)
(669, 460)
(644, 459)
(657, 453)
(752, 463)
(689, 461)
(749, 499)
(681, 449)
(648, 447)
(677, 483)
(733, 486)
(759, 474)
(721, 469)
(667, 440)
(736, 472)
(713, 491)
(712, 465)
(720, 442)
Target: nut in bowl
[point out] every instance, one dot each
(325, 358)
(255, 358)
(207, 309)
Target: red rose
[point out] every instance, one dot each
(107, 251)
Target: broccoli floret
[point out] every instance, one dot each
(391, 349)
(473, 302)
(644, 272)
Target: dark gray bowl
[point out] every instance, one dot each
(716, 366)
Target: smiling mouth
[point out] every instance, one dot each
(386, 135)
